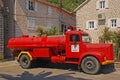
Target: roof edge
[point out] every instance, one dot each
(85, 2)
(55, 6)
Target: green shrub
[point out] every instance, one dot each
(53, 31)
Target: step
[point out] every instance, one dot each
(71, 62)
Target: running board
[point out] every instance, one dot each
(71, 62)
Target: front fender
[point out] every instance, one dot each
(97, 55)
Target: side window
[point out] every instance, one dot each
(74, 38)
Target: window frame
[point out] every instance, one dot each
(117, 23)
(31, 3)
(88, 24)
(102, 4)
(49, 24)
(91, 24)
(113, 23)
(76, 38)
(49, 10)
(31, 23)
(63, 27)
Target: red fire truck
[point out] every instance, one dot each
(74, 47)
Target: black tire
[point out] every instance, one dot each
(90, 65)
(25, 61)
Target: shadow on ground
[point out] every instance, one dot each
(104, 69)
(108, 69)
(41, 76)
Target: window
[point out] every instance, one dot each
(101, 22)
(31, 23)
(74, 38)
(49, 25)
(86, 38)
(31, 5)
(113, 23)
(102, 4)
(49, 11)
(63, 27)
(91, 24)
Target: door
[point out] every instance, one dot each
(73, 46)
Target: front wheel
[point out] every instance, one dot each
(25, 61)
(90, 65)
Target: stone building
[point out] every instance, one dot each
(31, 14)
(18, 17)
(94, 15)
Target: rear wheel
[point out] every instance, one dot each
(90, 65)
(25, 61)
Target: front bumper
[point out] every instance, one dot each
(108, 62)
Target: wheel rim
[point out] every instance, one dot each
(89, 65)
(24, 61)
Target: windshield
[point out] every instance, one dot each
(86, 38)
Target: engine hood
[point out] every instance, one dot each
(97, 46)
(105, 49)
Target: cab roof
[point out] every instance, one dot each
(76, 32)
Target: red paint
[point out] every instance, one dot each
(59, 49)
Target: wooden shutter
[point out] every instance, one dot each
(95, 24)
(118, 22)
(106, 3)
(87, 25)
(97, 4)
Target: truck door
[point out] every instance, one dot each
(73, 46)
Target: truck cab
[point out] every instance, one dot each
(75, 43)
(89, 56)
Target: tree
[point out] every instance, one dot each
(106, 36)
(69, 5)
(111, 36)
(116, 42)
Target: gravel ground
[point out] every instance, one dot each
(12, 71)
